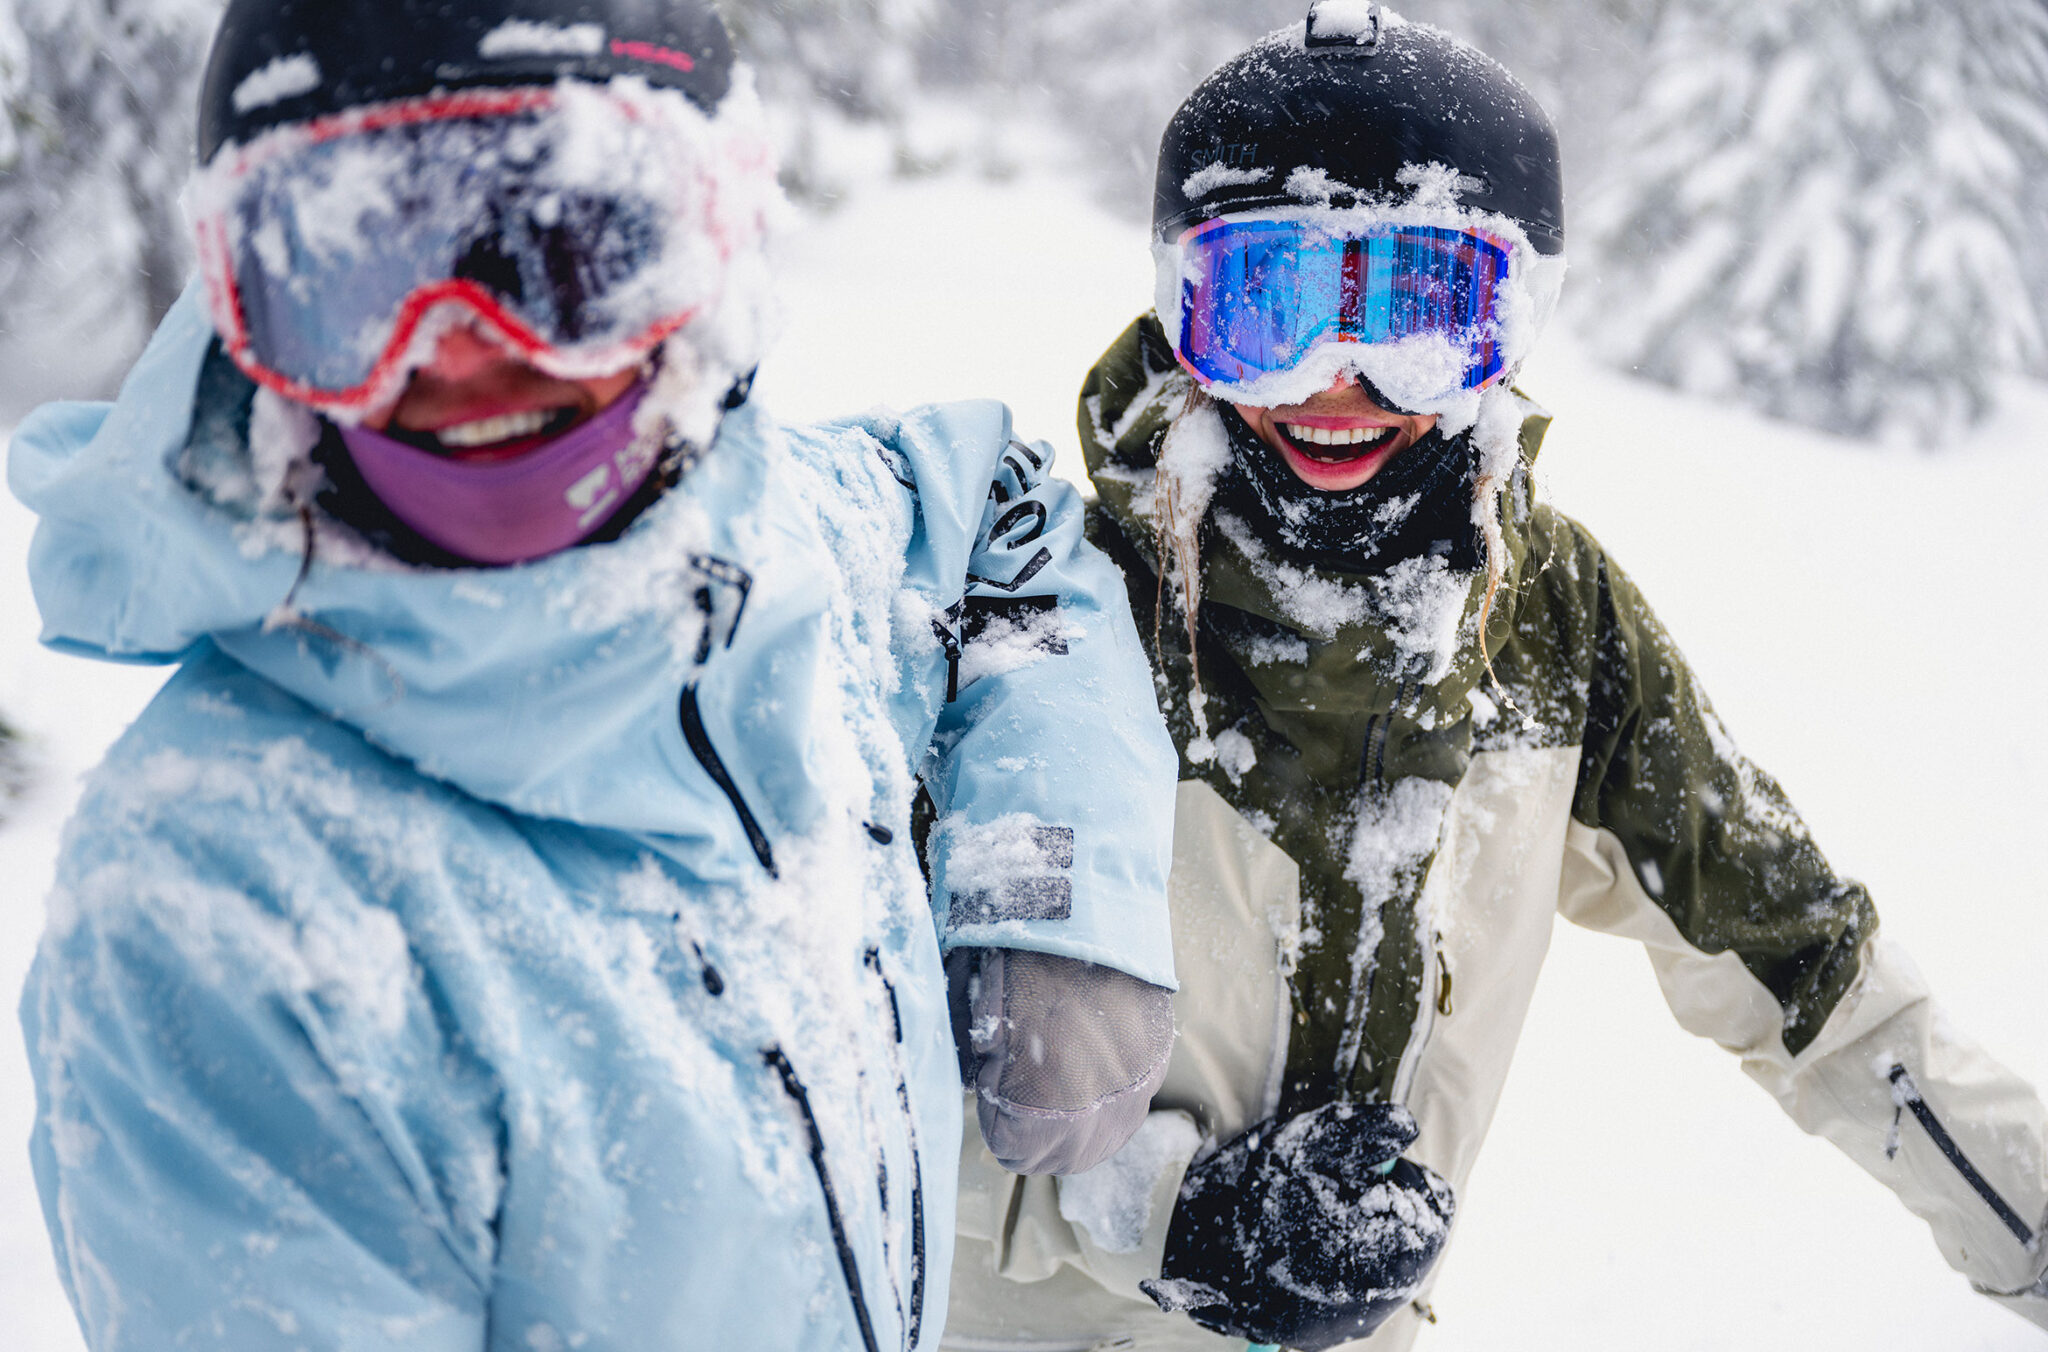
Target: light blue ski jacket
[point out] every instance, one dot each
(536, 958)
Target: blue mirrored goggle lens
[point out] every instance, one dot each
(1258, 296)
(331, 241)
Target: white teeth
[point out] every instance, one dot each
(491, 431)
(1336, 436)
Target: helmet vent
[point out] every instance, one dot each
(1344, 28)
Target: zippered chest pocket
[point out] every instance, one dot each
(721, 599)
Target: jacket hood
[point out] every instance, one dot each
(162, 532)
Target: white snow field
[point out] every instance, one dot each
(1870, 622)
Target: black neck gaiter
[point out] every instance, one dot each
(1419, 504)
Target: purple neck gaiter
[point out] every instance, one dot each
(512, 511)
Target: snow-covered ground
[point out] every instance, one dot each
(1871, 624)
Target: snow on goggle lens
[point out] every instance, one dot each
(327, 258)
(1258, 295)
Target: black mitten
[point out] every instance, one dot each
(1306, 1232)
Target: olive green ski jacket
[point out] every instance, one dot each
(1380, 811)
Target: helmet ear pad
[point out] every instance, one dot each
(276, 62)
(1288, 124)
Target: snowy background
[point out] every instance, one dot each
(1868, 615)
(1823, 209)
(1870, 622)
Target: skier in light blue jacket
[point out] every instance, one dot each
(506, 929)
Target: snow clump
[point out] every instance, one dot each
(1394, 836)
(988, 856)
(519, 37)
(1316, 187)
(1236, 754)
(1113, 1202)
(287, 77)
(1219, 175)
(1010, 644)
(1422, 603)
(1347, 19)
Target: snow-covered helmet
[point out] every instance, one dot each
(280, 61)
(1344, 187)
(582, 176)
(587, 183)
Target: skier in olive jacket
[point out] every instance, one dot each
(1419, 714)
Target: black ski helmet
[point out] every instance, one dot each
(1359, 95)
(276, 62)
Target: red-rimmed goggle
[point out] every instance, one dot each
(570, 225)
(1257, 296)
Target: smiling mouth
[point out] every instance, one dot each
(498, 437)
(1336, 445)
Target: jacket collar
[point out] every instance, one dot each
(549, 688)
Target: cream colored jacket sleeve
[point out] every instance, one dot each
(1961, 1139)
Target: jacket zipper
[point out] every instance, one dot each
(1906, 1095)
(726, 574)
(1434, 997)
(1435, 992)
(917, 1239)
(707, 756)
(951, 643)
(1351, 1043)
(849, 1264)
(699, 739)
(1373, 759)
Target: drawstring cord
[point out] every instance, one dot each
(286, 616)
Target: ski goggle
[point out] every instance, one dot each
(577, 227)
(1258, 295)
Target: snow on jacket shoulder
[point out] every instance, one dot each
(536, 957)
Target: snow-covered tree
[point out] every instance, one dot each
(976, 86)
(1112, 74)
(1579, 57)
(1818, 207)
(101, 117)
(13, 79)
(827, 67)
(16, 773)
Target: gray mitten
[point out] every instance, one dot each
(1063, 1055)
